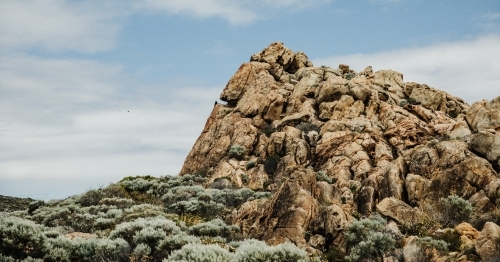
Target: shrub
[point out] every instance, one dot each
(268, 130)
(454, 210)
(137, 184)
(251, 164)
(20, 238)
(117, 201)
(321, 176)
(237, 151)
(213, 228)
(141, 252)
(175, 242)
(428, 246)
(271, 164)
(252, 250)
(259, 195)
(306, 127)
(368, 238)
(244, 178)
(112, 250)
(201, 253)
(128, 230)
(10, 259)
(420, 229)
(34, 205)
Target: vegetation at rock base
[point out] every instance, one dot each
(237, 151)
(183, 223)
(9, 204)
(336, 165)
(369, 238)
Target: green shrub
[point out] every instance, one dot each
(251, 164)
(428, 246)
(141, 252)
(20, 238)
(213, 228)
(452, 238)
(307, 126)
(237, 151)
(34, 205)
(268, 130)
(10, 259)
(252, 250)
(244, 178)
(112, 250)
(368, 238)
(420, 229)
(455, 210)
(271, 164)
(321, 176)
(201, 253)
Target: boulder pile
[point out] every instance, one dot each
(334, 145)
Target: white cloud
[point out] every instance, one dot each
(56, 25)
(229, 10)
(235, 12)
(467, 69)
(93, 26)
(71, 120)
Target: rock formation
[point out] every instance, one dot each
(332, 144)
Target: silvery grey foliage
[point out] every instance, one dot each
(237, 151)
(455, 210)
(10, 259)
(201, 253)
(368, 238)
(252, 250)
(20, 238)
(213, 228)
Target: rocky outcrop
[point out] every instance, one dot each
(332, 144)
(487, 244)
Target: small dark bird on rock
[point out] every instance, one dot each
(215, 103)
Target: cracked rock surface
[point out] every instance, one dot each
(380, 144)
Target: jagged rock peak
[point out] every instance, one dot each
(334, 144)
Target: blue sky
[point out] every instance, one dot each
(71, 70)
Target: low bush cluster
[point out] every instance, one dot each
(121, 226)
(455, 210)
(237, 151)
(368, 238)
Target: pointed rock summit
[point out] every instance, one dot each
(332, 145)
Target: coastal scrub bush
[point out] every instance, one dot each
(10, 259)
(129, 230)
(271, 164)
(429, 246)
(34, 205)
(251, 164)
(20, 238)
(454, 210)
(201, 253)
(117, 201)
(368, 238)
(252, 250)
(321, 176)
(237, 151)
(214, 228)
(307, 126)
(268, 130)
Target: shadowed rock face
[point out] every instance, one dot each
(382, 142)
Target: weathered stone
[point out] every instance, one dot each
(382, 145)
(400, 211)
(484, 115)
(486, 144)
(487, 242)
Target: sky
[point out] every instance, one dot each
(93, 91)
